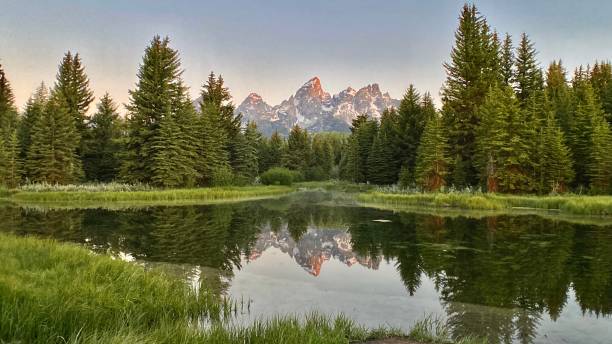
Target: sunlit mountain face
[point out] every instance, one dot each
(509, 278)
(311, 107)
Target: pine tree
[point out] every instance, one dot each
(601, 79)
(73, 85)
(101, 160)
(272, 154)
(432, 157)
(244, 162)
(213, 153)
(382, 166)
(298, 151)
(52, 154)
(322, 158)
(468, 80)
(528, 74)
(10, 161)
(410, 125)
(8, 112)
(555, 158)
(507, 61)
(503, 147)
(599, 168)
(161, 122)
(34, 109)
(560, 95)
(587, 113)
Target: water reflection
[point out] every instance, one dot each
(507, 278)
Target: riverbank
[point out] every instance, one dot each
(52, 293)
(562, 204)
(105, 195)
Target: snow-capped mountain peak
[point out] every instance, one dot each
(314, 109)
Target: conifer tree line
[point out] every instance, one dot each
(163, 141)
(505, 124)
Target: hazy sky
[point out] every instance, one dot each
(273, 47)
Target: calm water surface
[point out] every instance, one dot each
(513, 279)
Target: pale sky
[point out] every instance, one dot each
(272, 47)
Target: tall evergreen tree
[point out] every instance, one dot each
(161, 133)
(560, 95)
(10, 161)
(601, 79)
(382, 166)
(101, 160)
(8, 112)
(213, 151)
(528, 74)
(298, 153)
(432, 159)
(503, 151)
(272, 154)
(410, 125)
(587, 113)
(507, 61)
(72, 83)
(34, 109)
(52, 154)
(467, 82)
(599, 167)
(555, 168)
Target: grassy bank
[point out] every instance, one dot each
(62, 293)
(563, 204)
(105, 194)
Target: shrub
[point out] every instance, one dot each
(280, 176)
(222, 176)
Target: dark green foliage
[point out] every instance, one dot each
(432, 157)
(555, 159)
(507, 61)
(381, 161)
(601, 79)
(410, 124)
(280, 176)
(101, 160)
(322, 159)
(587, 113)
(10, 161)
(468, 81)
(73, 85)
(503, 146)
(52, 154)
(298, 153)
(560, 95)
(528, 75)
(161, 131)
(599, 169)
(271, 153)
(34, 109)
(244, 155)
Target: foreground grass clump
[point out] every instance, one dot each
(84, 194)
(566, 204)
(58, 293)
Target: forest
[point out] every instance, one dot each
(505, 125)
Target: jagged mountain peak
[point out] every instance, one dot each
(314, 109)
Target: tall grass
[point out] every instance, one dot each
(61, 293)
(121, 193)
(565, 204)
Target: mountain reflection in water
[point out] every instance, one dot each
(510, 278)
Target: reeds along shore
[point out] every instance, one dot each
(564, 204)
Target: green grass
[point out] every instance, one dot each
(63, 293)
(153, 196)
(563, 204)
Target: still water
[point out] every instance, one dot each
(513, 279)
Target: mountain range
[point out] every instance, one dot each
(316, 110)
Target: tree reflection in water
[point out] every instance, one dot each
(495, 276)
